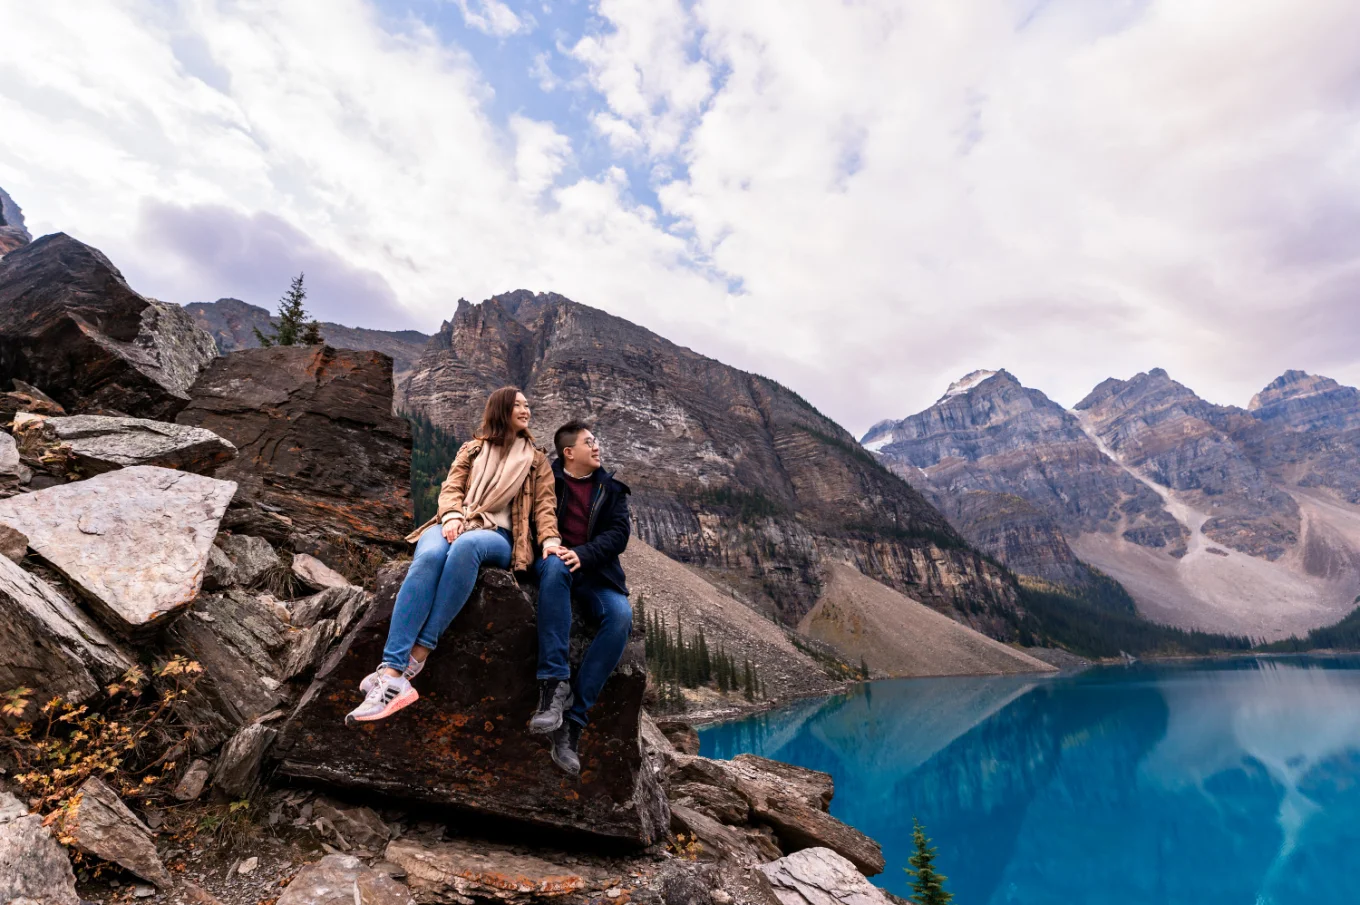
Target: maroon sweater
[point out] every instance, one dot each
(574, 519)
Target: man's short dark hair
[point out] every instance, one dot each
(568, 434)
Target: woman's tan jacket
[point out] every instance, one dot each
(533, 511)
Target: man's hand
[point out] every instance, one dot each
(568, 556)
(452, 528)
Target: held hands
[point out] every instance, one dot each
(567, 555)
(452, 528)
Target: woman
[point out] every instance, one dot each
(497, 500)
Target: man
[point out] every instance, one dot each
(592, 516)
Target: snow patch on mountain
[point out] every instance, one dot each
(966, 383)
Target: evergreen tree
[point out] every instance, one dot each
(432, 452)
(927, 884)
(724, 686)
(705, 661)
(295, 327)
(863, 669)
(750, 684)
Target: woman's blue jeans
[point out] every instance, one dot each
(605, 607)
(439, 582)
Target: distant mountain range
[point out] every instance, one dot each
(232, 324)
(730, 471)
(1213, 517)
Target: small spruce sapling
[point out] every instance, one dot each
(295, 327)
(927, 884)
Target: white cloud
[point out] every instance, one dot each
(542, 72)
(906, 194)
(864, 200)
(493, 17)
(541, 153)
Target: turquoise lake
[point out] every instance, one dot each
(1234, 782)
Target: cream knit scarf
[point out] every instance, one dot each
(497, 474)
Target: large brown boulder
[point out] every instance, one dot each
(318, 442)
(70, 324)
(465, 743)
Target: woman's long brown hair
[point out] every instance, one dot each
(497, 428)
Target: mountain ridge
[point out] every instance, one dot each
(1185, 502)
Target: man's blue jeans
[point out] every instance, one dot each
(439, 582)
(605, 607)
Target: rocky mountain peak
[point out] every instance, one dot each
(1297, 400)
(13, 233)
(969, 382)
(715, 456)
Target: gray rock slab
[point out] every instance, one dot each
(134, 542)
(334, 603)
(99, 443)
(343, 880)
(34, 869)
(238, 766)
(316, 574)
(191, 784)
(239, 642)
(819, 876)
(104, 827)
(49, 645)
(252, 557)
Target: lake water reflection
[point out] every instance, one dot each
(1224, 782)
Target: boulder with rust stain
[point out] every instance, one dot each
(319, 445)
(465, 742)
(462, 870)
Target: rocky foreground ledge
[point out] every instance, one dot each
(220, 582)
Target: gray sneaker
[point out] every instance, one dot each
(413, 668)
(566, 747)
(554, 700)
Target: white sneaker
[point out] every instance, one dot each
(413, 668)
(388, 695)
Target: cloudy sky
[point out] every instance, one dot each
(862, 199)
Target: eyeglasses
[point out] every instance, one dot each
(591, 442)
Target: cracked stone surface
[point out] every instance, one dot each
(134, 542)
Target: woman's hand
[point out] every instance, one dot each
(452, 528)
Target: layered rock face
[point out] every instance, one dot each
(1178, 440)
(71, 325)
(1212, 517)
(1016, 473)
(318, 443)
(1306, 433)
(464, 743)
(730, 471)
(13, 233)
(232, 324)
